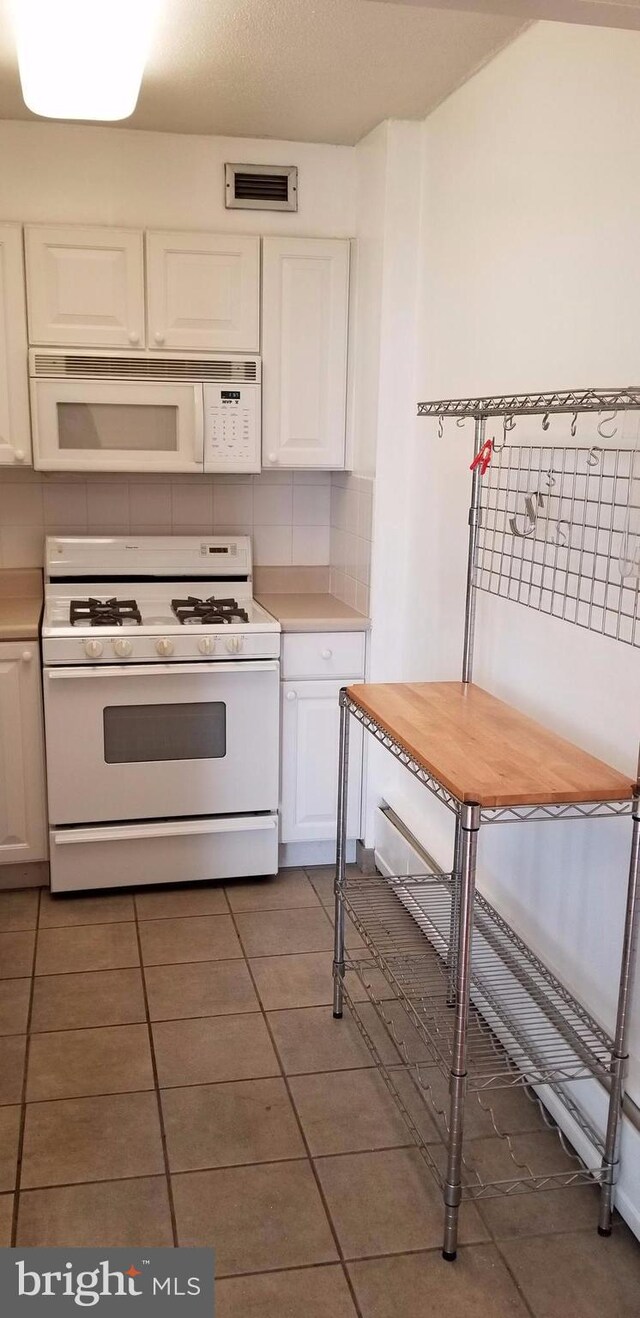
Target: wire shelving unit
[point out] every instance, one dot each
(474, 1013)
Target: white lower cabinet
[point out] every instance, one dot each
(315, 665)
(310, 738)
(23, 830)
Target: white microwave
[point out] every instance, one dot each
(96, 411)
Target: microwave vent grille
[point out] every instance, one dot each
(75, 366)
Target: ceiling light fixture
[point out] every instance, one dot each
(83, 59)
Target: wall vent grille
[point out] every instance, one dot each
(76, 366)
(261, 187)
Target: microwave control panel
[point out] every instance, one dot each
(232, 427)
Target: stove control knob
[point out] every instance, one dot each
(234, 644)
(122, 648)
(207, 644)
(164, 647)
(93, 649)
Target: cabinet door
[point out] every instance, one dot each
(310, 742)
(305, 287)
(203, 291)
(23, 831)
(85, 286)
(15, 432)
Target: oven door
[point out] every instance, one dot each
(159, 741)
(110, 425)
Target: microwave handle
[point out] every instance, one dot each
(156, 670)
(198, 438)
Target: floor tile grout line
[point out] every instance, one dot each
(153, 965)
(154, 1067)
(303, 1137)
(23, 1104)
(366, 1258)
(505, 1263)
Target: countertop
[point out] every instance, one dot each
(312, 611)
(483, 750)
(20, 604)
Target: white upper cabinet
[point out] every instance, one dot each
(15, 434)
(305, 290)
(85, 286)
(203, 292)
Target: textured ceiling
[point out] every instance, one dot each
(309, 70)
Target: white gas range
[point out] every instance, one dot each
(161, 688)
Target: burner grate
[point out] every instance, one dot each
(192, 611)
(104, 613)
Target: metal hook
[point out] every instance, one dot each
(545, 421)
(460, 421)
(532, 503)
(609, 416)
(594, 456)
(560, 537)
(574, 424)
(440, 427)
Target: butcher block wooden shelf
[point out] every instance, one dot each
(483, 750)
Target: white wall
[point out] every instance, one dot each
(526, 274)
(57, 172)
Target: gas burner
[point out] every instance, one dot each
(103, 613)
(194, 612)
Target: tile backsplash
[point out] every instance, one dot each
(351, 535)
(288, 514)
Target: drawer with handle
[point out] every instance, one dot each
(323, 654)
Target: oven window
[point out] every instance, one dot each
(136, 734)
(142, 426)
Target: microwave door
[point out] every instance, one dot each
(107, 425)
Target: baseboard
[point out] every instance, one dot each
(292, 855)
(33, 875)
(398, 852)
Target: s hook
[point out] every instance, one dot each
(607, 418)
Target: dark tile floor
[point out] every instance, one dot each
(170, 1072)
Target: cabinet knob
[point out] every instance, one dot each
(291, 695)
(27, 656)
(159, 338)
(326, 654)
(19, 454)
(273, 457)
(133, 337)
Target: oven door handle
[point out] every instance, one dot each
(240, 667)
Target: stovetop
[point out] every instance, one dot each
(150, 609)
(115, 612)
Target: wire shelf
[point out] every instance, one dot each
(541, 404)
(524, 1028)
(553, 534)
(522, 1180)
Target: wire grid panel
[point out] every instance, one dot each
(554, 534)
(524, 1027)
